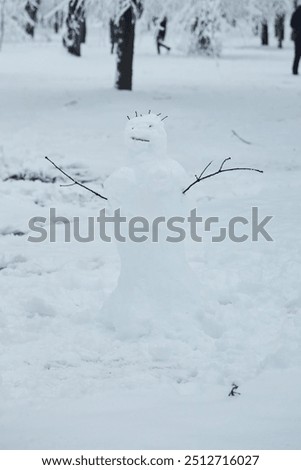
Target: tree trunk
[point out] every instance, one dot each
(31, 9)
(76, 27)
(113, 34)
(125, 50)
(83, 30)
(279, 29)
(264, 33)
(58, 21)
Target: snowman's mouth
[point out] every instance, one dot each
(140, 140)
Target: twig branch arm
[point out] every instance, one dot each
(74, 181)
(221, 170)
(222, 165)
(205, 169)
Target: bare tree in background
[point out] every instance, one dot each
(264, 33)
(268, 12)
(280, 28)
(58, 21)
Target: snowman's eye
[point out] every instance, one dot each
(150, 125)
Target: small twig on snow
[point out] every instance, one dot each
(240, 138)
(233, 392)
(67, 185)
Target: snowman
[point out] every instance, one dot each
(156, 287)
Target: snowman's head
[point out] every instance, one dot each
(145, 134)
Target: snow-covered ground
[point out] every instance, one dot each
(65, 380)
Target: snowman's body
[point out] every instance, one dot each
(156, 282)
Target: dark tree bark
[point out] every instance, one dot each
(31, 8)
(83, 30)
(279, 29)
(264, 33)
(125, 50)
(125, 39)
(58, 21)
(76, 27)
(113, 34)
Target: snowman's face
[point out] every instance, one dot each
(146, 134)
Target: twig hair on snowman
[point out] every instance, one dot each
(145, 133)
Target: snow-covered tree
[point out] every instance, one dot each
(266, 11)
(76, 27)
(200, 21)
(282, 8)
(195, 23)
(31, 9)
(13, 19)
(259, 14)
(123, 14)
(235, 11)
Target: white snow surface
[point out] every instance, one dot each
(66, 380)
